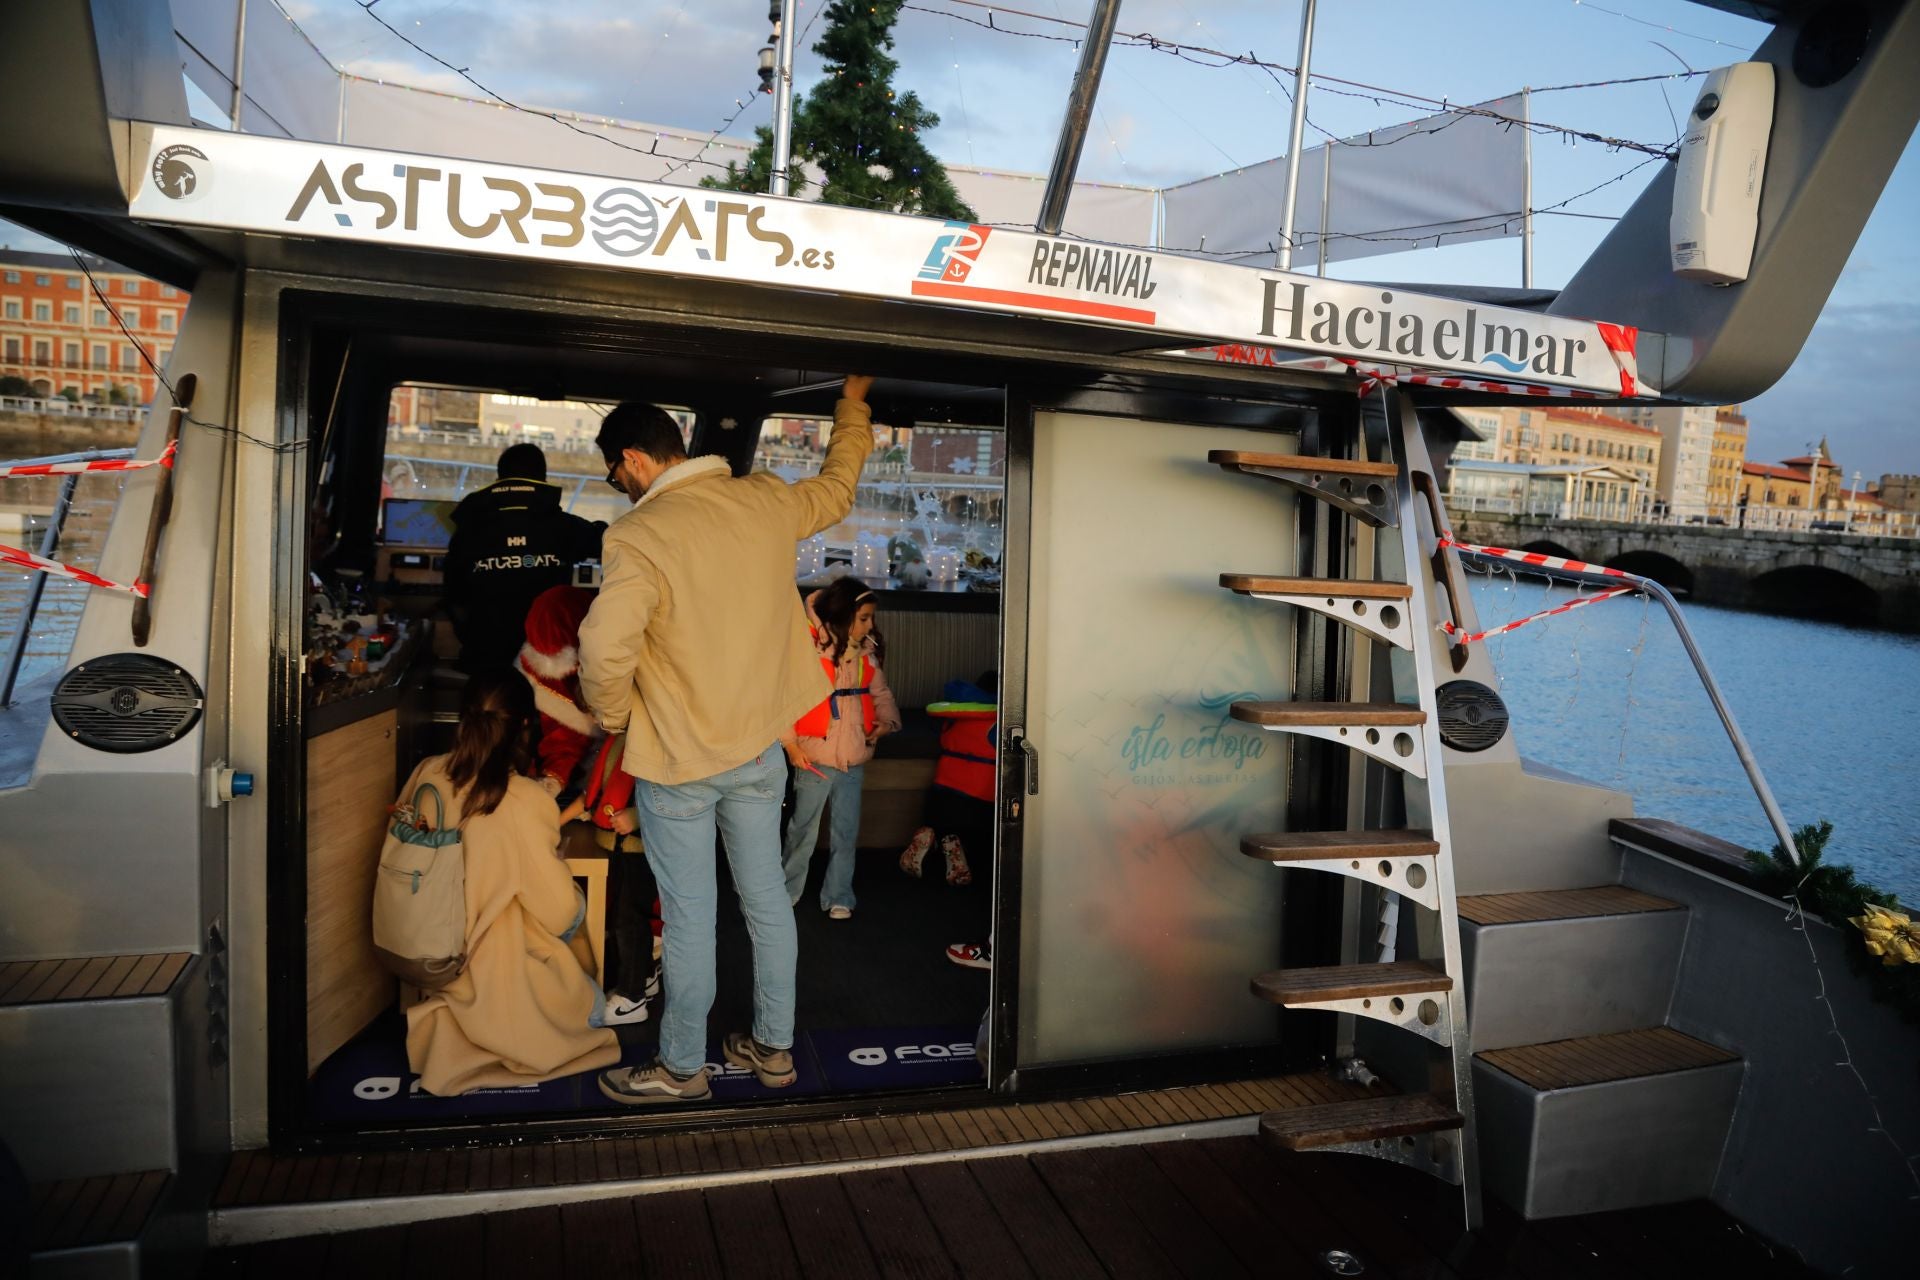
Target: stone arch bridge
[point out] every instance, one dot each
(1837, 576)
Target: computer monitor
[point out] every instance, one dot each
(418, 522)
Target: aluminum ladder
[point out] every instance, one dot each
(1425, 997)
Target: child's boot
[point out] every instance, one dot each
(958, 873)
(915, 854)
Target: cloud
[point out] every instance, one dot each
(1854, 382)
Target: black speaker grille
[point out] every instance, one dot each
(126, 702)
(1472, 716)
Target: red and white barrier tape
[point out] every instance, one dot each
(27, 560)
(1474, 637)
(1531, 557)
(1540, 561)
(98, 464)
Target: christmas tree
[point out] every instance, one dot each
(862, 137)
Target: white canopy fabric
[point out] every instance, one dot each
(1445, 179)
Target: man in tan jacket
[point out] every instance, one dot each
(697, 649)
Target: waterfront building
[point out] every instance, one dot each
(1897, 492)
(1580, 436)
(1729, 455)
(1766, 485)
(60, 338)
(1567, 491)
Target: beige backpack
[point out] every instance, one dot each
(420, 895)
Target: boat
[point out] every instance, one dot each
(1299, 966)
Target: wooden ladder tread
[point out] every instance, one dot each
(1397, 1116)
(1559, 904)
(89, 977)
(1621, 1055)
(1313, 846)
(1349, 982)
(1297, 462)
(1335, 587)
(1285, 715)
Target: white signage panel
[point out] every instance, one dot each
(278, 187)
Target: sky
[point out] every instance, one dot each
(1161, 120)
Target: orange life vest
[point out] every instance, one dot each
(818, 722)
(969, 754)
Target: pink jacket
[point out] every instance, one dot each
(846, 742)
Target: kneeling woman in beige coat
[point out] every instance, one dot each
(522, 1009)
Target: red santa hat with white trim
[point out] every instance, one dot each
(550, 658)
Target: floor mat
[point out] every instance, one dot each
(367, 1084)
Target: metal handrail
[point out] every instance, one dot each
(1614, 578)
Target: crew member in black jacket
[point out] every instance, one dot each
(511, 541)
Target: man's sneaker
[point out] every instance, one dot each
(641, 1086)
(774, 1067)
(971, 955)
(653, 984)
(622, 1011)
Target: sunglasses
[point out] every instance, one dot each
(611, 481)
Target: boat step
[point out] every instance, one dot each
(1312, 986)
(1559, 904)
(91, 1220)
(1375, 608)
(1237, 458)
(1398, 860)
(1305, 715)
(89, 978)
(1621, 1055)
(1319, 846)
(1364, 490)
(1601, 1123)
(1382, 730)
(1407, 994)
(1345, 1124)
(1334, 588)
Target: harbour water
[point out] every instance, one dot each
(1832, 714)
(1605, 692)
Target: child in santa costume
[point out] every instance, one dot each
(550, 661)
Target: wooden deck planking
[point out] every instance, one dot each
(1102, 1217)
(820, 1223)
(676, 1236)
(896, 1226)
(1559, 904)
(1565, 1064)
(1204, 1208)
(977, 1242)
(751, 1232)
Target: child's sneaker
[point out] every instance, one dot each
(774, 1067)
(958, 872)
(621, 1011)
(653, 984)
(915, 854)
(639, 1086)
(971, 955)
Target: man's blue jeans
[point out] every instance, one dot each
(811, 793)
(678, 824)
